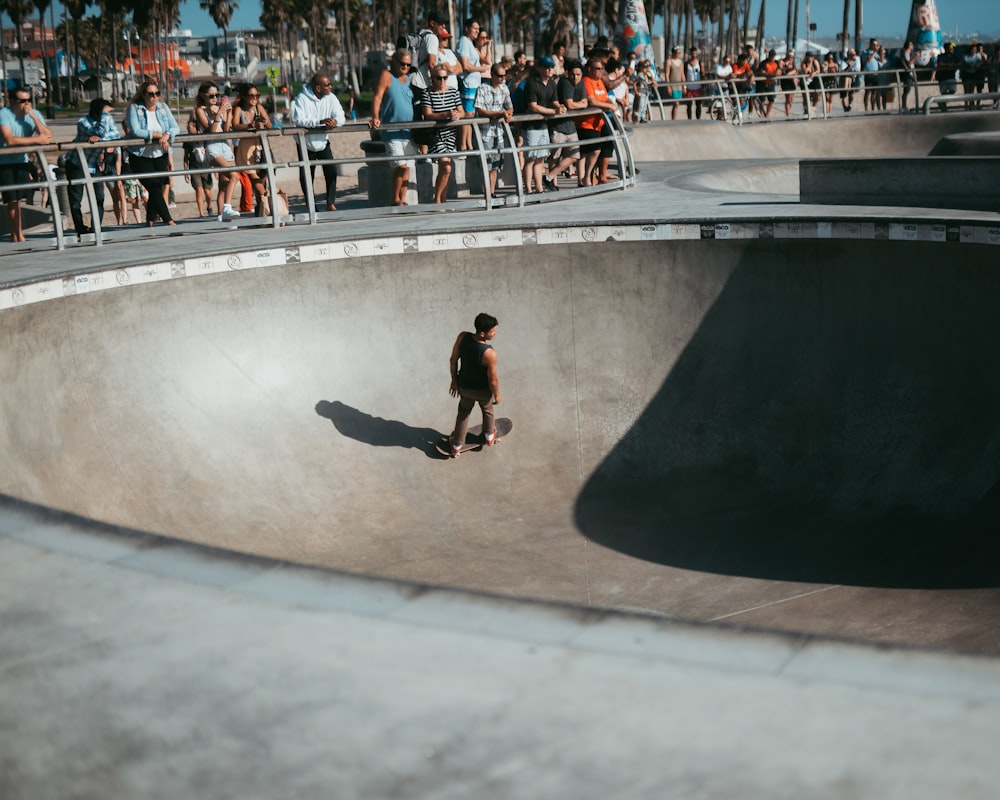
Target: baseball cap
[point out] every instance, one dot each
(444, 34)
(546, 62)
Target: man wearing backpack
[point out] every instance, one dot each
(426, 51)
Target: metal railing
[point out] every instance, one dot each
(896, 80)
(268, 168)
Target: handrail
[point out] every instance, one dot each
(945, 99)
(895, 76)
(269, 167)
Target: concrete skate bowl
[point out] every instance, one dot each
(795, 410)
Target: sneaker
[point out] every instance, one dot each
(491, 439)
(228, 213)
(549, 184)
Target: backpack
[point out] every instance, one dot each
(412, 42)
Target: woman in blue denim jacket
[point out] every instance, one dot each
(96, 126)
(150, 120)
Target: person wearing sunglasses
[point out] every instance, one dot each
(152, 121)
(249, 116)
(214, 114)
(20, 124)
(442, 103)
(316, 107)
(393, 102)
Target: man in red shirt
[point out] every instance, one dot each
(598, 154)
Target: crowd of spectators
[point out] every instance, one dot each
(875, 73)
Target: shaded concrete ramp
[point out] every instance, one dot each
(831, 420)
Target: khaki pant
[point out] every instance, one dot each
(466, 402)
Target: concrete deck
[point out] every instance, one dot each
(730, 408)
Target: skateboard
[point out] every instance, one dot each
(474, 439)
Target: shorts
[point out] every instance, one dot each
(201, 181)
(573, 151)
(469, 100)
(534, 137)
(399, 149)
(222, 150)
(11, 174)
(605, 148)
(676, 94)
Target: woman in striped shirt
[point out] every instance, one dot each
(443, 104)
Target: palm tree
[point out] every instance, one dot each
(76, 9)
(40, 6)
(859, 14)
(17, 10)
(845, 37)
(221, 12)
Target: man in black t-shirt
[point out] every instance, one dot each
(572, 94)
(474, 379)
(540, 97)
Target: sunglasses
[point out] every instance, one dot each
(253, 94)
(500, 74)
(22, 99)
(440, 77)
(211, 94)
(152, 94)
(405, 64)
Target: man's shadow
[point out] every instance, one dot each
(376, 431)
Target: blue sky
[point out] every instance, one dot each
(886, 18)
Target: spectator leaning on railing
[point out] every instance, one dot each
(96, 126)
(153, 122)
(393, 102)
(318, 108)
(20, 124)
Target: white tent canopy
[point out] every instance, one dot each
(801, 46)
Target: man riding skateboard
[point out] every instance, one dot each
(474, 380)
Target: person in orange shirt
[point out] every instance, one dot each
(597, 154)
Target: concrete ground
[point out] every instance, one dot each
(730, 410)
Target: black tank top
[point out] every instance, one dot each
(472, 373)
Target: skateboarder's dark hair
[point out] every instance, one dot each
(485, 322)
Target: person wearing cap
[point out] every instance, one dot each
(427, 55)
(448, 59)
(540, 97)
(675, 80)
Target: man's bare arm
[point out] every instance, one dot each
(453, 365)
(490, 362)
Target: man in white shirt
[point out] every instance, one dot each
(318, 108)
